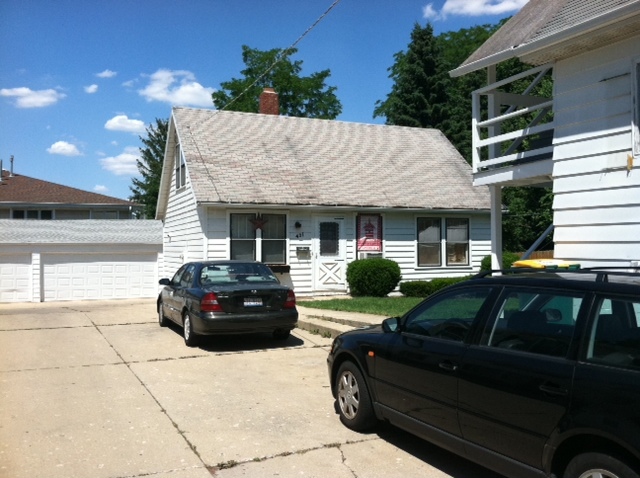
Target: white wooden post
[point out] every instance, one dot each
(496, 226)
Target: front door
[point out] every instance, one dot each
(329, 254)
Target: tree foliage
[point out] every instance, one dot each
(145, 191)
(302, 96)
(419, 94)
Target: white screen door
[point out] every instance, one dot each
(329, 254)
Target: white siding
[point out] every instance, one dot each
(183, 237)
(597, 199)
(399, 243)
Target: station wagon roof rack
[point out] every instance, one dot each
(602, 273)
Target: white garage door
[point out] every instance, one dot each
(15, 278)
(99, 276)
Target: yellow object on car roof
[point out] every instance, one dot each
(546, 264)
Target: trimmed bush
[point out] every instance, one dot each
(421, 288)
(374, 277)
(416, 288)
(508, 258)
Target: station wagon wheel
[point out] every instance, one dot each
(162, 320)
(598, 465)
(190, 338)
(354, 401)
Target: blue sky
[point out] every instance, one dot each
(80, 79)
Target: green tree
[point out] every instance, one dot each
(145, 191)
(529, 213)
(303, 96)
(418, 96)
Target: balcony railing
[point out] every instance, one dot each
(512, 123)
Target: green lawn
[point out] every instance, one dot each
(384, 306)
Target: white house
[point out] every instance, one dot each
(583, 139)
(308, 196)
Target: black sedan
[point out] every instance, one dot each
(227, 297)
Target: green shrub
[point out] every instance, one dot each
(508, 258)
(416, 288)
(374, 277)
(422, 288)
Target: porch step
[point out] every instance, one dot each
(331, 323)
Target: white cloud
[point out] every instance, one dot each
(106, 74)
(472, 8)
(123, 123)
(125, 164)
(177, 87)
(430, 13)
(91, 88)
(28, 98)
(99, 188)
(63, 148)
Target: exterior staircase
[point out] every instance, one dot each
(331, 323)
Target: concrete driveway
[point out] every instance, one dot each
(97, 389)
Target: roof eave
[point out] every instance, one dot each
(588, 26)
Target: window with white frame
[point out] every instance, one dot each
(181, 168)
(44, 214)
(260, 237)
(442, 237)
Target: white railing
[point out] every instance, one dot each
(496, 141)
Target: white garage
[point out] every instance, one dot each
(15, 277)
(99, 276)
(79, 260)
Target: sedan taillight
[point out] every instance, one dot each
(290, 303)
(209, 303)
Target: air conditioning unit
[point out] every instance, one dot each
(369, 255)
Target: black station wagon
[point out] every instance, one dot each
(528, 373)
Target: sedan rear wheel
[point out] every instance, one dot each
(281, 334)
(354, 401)
(190, 338)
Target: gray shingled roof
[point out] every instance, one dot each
(245, 158)
(537, 32)
(86, 231)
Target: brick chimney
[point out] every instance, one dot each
(269, 104)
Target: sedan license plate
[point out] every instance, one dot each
(253, 302)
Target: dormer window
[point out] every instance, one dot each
(181, 169)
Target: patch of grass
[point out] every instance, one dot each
(384, 306)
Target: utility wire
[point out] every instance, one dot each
(282, 55)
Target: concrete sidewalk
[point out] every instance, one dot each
(97, 389)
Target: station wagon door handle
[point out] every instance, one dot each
(448, 366)
(553, 389)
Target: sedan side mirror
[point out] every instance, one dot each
(390, 325)
(164, 282)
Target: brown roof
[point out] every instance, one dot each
(17, 188)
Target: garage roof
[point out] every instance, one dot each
(86, 231)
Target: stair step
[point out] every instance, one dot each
(325, 328)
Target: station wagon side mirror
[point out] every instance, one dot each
(164, 282)
(391, 324)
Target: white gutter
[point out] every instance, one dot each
(628, 11)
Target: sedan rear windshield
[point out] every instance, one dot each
(235, 273)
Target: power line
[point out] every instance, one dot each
(282, 55)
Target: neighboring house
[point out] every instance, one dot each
(584, 140)
(22, 197)
(309, 196)
(60, 251)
